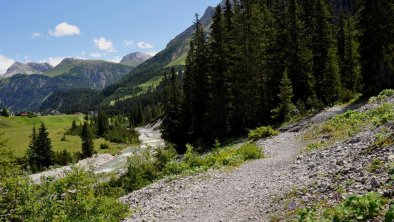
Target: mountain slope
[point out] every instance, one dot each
(28, 92)
(173, 55)
(135, 59)
(27, 68)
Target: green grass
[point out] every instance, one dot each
(348, 124)
(17, 131)
(152, 83)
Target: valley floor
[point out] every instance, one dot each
(243, 194)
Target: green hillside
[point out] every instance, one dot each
(18, 129)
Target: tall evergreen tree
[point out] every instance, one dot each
(87, 141)
(39, 152)
(299, 60)
(286, 108)
(172, 129)
(331, 81)
(197, 76)
(102, 123)
(218, 99)
(377, 45)
(31, 153)
(350, 72)
(322, 42)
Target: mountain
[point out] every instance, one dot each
(153, 69)
(27, 92)
(135, 59)
(27, 68)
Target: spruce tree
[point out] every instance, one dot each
(331, 91)
(377, 45)
(217, 112)
(286, 108)
(31, 153)
(299, 56)
(87, 141)
(197, 72)
(172, 129)
(322, 42)
(102, 123)
(40, 149)
(5, 112)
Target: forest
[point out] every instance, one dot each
(264, 62)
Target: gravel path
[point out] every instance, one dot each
(244, 194)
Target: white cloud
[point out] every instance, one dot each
(128, 43)
(54, 61)
(65, 29)
(96, 54)
(5, 63)
(153, 53)
(104, 44)
(144, 45)
(36, 35)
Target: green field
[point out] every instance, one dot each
(17, 131)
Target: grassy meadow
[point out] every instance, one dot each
(17, 130)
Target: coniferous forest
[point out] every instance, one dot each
(266, 61)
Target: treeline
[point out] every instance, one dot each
(72, 101)
(266, 60)
(141, 109)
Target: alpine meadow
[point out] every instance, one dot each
(260, 110)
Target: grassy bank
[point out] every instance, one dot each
(17, 130)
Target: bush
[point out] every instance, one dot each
(262, 132)
(141, 171)
(104, 146)
(63, 158)
(250, 151)
(69, 199)
(384, 95)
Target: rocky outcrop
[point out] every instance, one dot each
(27, 68)
(135, 59)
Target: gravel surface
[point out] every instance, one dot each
(244, 194)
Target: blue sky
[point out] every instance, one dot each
(50, 30)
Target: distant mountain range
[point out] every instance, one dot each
(27, 68)
(27, 86)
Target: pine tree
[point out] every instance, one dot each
(74, 125)
(350, 72)
(5, 112)
(286, 108)
(299, 56)
(196, 75)
(377, 45)
(172, 129)
(217, 110)
(332, 84)
(87, 141)
(31, 154)
(40, 154)
(322, 42)
(102, 123)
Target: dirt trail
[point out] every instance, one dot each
(243, 194)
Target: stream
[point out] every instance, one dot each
(149, 136)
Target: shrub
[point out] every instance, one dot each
(384, 95)
(262, 132)
(104, 146)
(141, 171)
(250, 151)
(375, 165)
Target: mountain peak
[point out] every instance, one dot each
(134, 59)
(27, 68)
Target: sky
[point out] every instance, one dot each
(50, 30)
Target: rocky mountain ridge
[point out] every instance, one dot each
(27, 68)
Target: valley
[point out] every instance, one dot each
(17, 131)
(273, 111)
